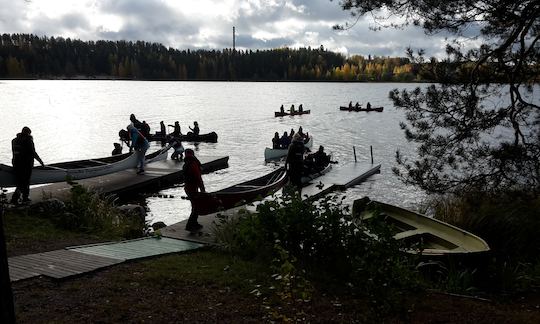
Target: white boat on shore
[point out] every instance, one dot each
(275, 154)
(77, 170)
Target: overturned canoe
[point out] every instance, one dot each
(378, 109)
(432, 236)
(294, 113)
(239, 194)
(274, 154)
(77, 170)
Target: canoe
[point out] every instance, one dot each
(274, 154)
(378, 109)
(239, 194)
(434, 237)
(189, 137)
(285, 113)
(77, 170)
(310, 177)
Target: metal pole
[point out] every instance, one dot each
(354, 152)
(371, 151)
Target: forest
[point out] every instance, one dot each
(30, 56)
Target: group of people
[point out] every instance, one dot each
(285, 140)
(292, 109)
(357, 105)
(177, 131)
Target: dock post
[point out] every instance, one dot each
(371, 152)
(354, 152)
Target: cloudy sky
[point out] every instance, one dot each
(207, 24)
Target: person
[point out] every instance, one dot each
(291, 134)
(162, 128)
(284, 141)
(117, 149)
(135, 122)
(195, 128)
(320, 159)
(281, 109)
(178, 153)
(357, 105)
(301, 132)
(192, 184)
(24, 153)
(294, 164)
(145, 129)
(292, 109)
(176, 132)
(275, 141)
(350, 105)
(140, 144)
(368, 105)
(300, 108)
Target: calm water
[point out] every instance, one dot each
(80, 119)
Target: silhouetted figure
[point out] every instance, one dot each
(301, 132)
(145, 129)
(117, 149)
(24, 153)
(291, 134)
(295, 162)
(140, 144)
(350, 105)
(357, 105)
(178, 153)
(301, 108)
(193, 183)
(176, 132)
(195, 128)
(275, 141)
(281, 109)
(368, 105)
(284, 141)
(162, 128)
(135, 122)
(292, 109)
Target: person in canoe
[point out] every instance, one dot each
(284, 141)
(117, 149)
(24, 153)
(300, 108)
(195, 130)
(320, 159)
(145, 129)
(275, 141)
(163, 130)
(282, 109)
(294, 164)
(140, 144)
(301, 132)
(368, 106)
(193, 184)
(292, 109)
(135, 122)
(357, 105)
(350, 105)
(177, 131)
(291, 134)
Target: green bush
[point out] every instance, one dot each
(89, 212)
(326, 241)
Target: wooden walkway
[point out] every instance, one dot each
(74, 261)
(340, 177)
(157, 175)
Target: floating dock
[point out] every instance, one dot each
(340, 177)
(157, 175)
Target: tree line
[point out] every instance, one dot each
(31, 56)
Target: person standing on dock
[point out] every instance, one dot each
(24, 153)
(140, 144)
(295, 162)
(193, 183)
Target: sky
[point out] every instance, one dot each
(207, 24)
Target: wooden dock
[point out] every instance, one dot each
(157, 175)
(340, 177)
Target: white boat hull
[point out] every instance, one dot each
(275, 154)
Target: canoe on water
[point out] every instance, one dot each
(189, 137)
(434, 237)
(285, 113)
(275, 154)
(77, 170)
(378, 109)
(239, 194)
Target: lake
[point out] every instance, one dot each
(73, 120)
